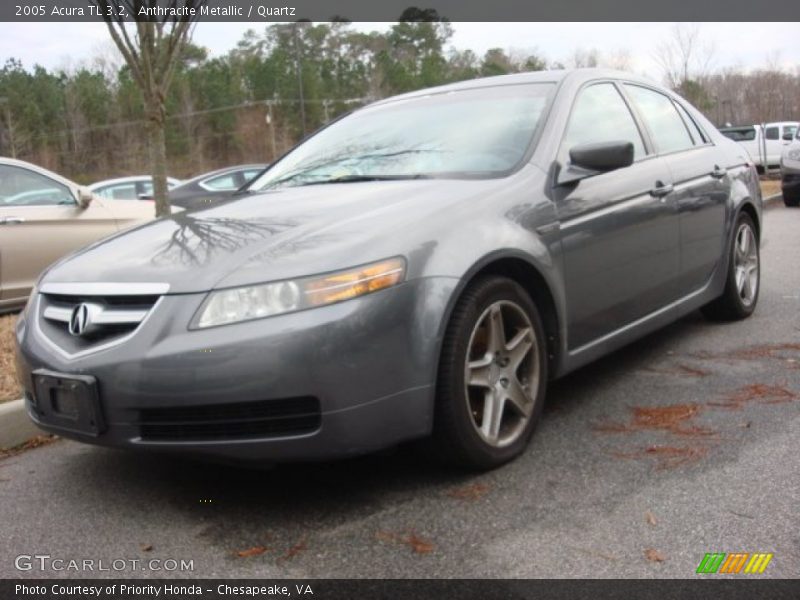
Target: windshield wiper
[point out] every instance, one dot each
(360, 178)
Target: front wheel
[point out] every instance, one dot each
(739, 299)
(492, 375)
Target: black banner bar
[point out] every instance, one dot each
(270, 11)
(706, 588)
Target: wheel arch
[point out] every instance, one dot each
(519, 268)
(749, 208)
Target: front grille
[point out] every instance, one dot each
(265, 418)
(110, 318)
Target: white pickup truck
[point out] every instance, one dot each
(763, 143)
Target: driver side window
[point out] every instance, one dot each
(21, 187)
(601, 115)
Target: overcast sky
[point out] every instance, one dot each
(747, 45)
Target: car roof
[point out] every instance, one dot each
(201, 177)
(130, 179)
(577, 76)
(13, 162)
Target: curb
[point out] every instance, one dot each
(15, 425)
(771, 199)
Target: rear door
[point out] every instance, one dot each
(40, 221)
(619, 229)
(699, 174)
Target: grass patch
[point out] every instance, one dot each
(9, 388)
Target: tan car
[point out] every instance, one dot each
(44, 217)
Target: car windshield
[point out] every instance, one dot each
(470, 133)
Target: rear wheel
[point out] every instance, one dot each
(739, 299)
(791, 200)
(492, 375)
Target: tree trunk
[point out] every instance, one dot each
(158, 160)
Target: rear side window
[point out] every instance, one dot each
(773, 133)
(120, 191)
(600, 114)
(223, 182)
(697, 135)
(662, 119)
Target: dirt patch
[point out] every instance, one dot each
(35, 442)
(674, 418)
(667, 457)
(770, 187)
(9, 387)
(757, 393)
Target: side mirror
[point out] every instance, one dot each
(85, 197)
(590, 159)
(788, 136)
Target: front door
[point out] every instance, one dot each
(619, 229)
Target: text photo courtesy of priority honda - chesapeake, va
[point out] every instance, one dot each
(346, 299)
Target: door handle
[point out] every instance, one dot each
(662, 189)
(718, 172)
(12, 220)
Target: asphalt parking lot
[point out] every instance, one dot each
(684, 443)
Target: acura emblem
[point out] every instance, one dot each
(79, 321)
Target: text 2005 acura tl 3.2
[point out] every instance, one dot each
(421, 267)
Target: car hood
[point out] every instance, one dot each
(276, 235)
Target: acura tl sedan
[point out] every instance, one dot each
(418, 269)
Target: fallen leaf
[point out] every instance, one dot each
(654, 555)
(418, 544)
(254, 551)
(469, 492)
(146, 547)
(650, 518)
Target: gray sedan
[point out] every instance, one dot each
(419, 269)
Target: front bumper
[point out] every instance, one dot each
(370, 362)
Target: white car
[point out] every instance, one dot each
(764, 143)
(137, 187)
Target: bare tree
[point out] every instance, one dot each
(684, 56)
(152, 53)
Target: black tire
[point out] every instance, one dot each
(731, 306)
(456, 437)
(791, 201)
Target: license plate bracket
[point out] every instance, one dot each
(68, 402)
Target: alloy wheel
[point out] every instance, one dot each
(502, 373)
(746, 264)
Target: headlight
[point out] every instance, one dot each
(258, 301)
